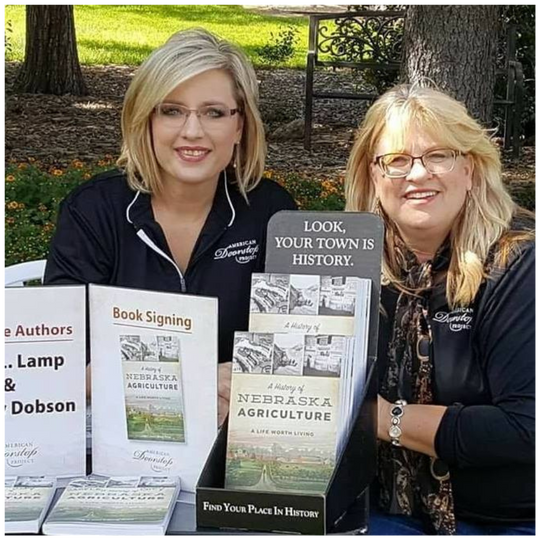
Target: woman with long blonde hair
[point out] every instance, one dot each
(456, 349)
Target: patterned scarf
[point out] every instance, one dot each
(413, 483)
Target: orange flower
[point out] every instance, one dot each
(57, 172)
(42, 208)
(87, 176)
(10, 178)
(102, 163)
(22, 166)
(13, 205)
(10, 220)
(78, 164)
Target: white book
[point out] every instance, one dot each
(154, 382)
(27, 499)
(114, 505)
(45, 365)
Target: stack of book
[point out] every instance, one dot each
(27, 499)
(297, 381)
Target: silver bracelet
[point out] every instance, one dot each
(396, 412)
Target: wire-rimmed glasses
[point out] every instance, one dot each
(436, 161)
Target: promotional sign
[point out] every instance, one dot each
(45, 362)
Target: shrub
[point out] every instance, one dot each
(280, 48)
(32, 198)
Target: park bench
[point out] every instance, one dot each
(371, 41)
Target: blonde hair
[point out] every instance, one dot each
(185, 55)
(485, 218)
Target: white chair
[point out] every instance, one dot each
(18, 274)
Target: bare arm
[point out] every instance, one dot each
(419, 424)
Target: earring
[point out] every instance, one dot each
(236, 155)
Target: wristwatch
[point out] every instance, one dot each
(396, 412)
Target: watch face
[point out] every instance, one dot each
(394, 431)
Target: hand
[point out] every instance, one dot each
(383, 418)
(224, 390)
(223, 410)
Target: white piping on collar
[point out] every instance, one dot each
(144, 237)
(226, 193)
(229, 199)
(130, 205)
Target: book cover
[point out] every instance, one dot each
(115, 500)
(284, 411)
(153, 388)
(316, 304)
(27, 498)
(154, 382)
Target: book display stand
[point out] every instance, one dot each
(333, 243)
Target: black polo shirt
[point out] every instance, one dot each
(107, 234)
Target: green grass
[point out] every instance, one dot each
(127, 34)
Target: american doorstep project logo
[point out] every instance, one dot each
(158, 461)
(457, 320)
(20, 453)
(243, 252)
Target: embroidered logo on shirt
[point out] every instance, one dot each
(457, 320)
(243, 252)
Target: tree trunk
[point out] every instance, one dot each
(455, 47)
(51, 64)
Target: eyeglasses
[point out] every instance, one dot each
(211, 117)
(438, 161)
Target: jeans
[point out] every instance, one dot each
(386, 524)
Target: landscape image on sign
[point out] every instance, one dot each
(153, 388)
(282, 429)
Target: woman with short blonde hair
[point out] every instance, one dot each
(184, 56)
(187, 210)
